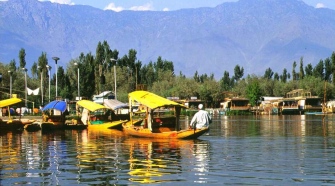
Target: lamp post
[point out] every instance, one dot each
(56, 59)
(41, 69)
(76, 64)
(49, 67)
(25, 85)
(113, 60)
(10, 83)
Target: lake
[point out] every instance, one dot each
(239, 150)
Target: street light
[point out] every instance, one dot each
(112, 59)
(25, 85)
(56, 59)
(41, 69)
(10, 83)
(76, 64)
(49, 67)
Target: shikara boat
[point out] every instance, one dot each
(32, 127)
(157, 117)
(53, 115)
(97, 116)
(120, 109)
(10, 124)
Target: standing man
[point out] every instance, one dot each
(201, 118)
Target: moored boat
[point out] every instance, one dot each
(10, 124)
(97, 116)
(151, 123)
(33, 127)
(54, 115)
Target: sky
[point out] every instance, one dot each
(167, 5)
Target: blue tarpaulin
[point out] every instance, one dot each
(57, 104)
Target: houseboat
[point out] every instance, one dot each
(300, 101)
(234, 103)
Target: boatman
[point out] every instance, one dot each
(201, 118)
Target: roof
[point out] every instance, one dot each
(114, 104)
(151, 100)
(8, 102)
(57, 104)
(105, 93)
(90, 105)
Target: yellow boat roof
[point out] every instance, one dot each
(8, 102)
(151, 100)
(90, 105)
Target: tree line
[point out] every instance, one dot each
(96, 74)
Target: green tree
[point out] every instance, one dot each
(284, 76)
(328, 69)
(98, 63)
(318, 70)
(309, 70)
(294, 74)
(12, 65)
(196, 76)
(22, 58)
(332, 59)
(268, 74)
(253, 92)
(276, 76)
(238, 72)
(301, 72)
(34, 70)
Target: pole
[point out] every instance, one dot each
(41, 86)
(56, 81)
(49, 79)
(10, 84)
(114, 81)
(78, 85)
(25, 86)
(113, 60)
(56, 59)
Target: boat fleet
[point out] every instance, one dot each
(146, 115)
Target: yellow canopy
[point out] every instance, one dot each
(8, 102)
(151, 100)
(90, 105)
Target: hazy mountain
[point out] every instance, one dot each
(256, 34)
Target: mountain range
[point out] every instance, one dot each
(254, 34)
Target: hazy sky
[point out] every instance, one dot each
(166, 5)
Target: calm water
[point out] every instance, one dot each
(240, 150)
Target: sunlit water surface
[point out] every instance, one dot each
(239, 150)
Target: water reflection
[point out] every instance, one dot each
(255, 150)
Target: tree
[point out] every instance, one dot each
(268, 73)
(253, 92)
(301, 72)
(225, 82)
(22, 58)
(196, 76)
(284, 76)
(294, 74)
(318, 70)
(327, 69)
(276, 76)
(12, 65)
(87, 76)
(238, 72)
(34, 70)
(309, 70)
(98, 62)
(332, 59)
